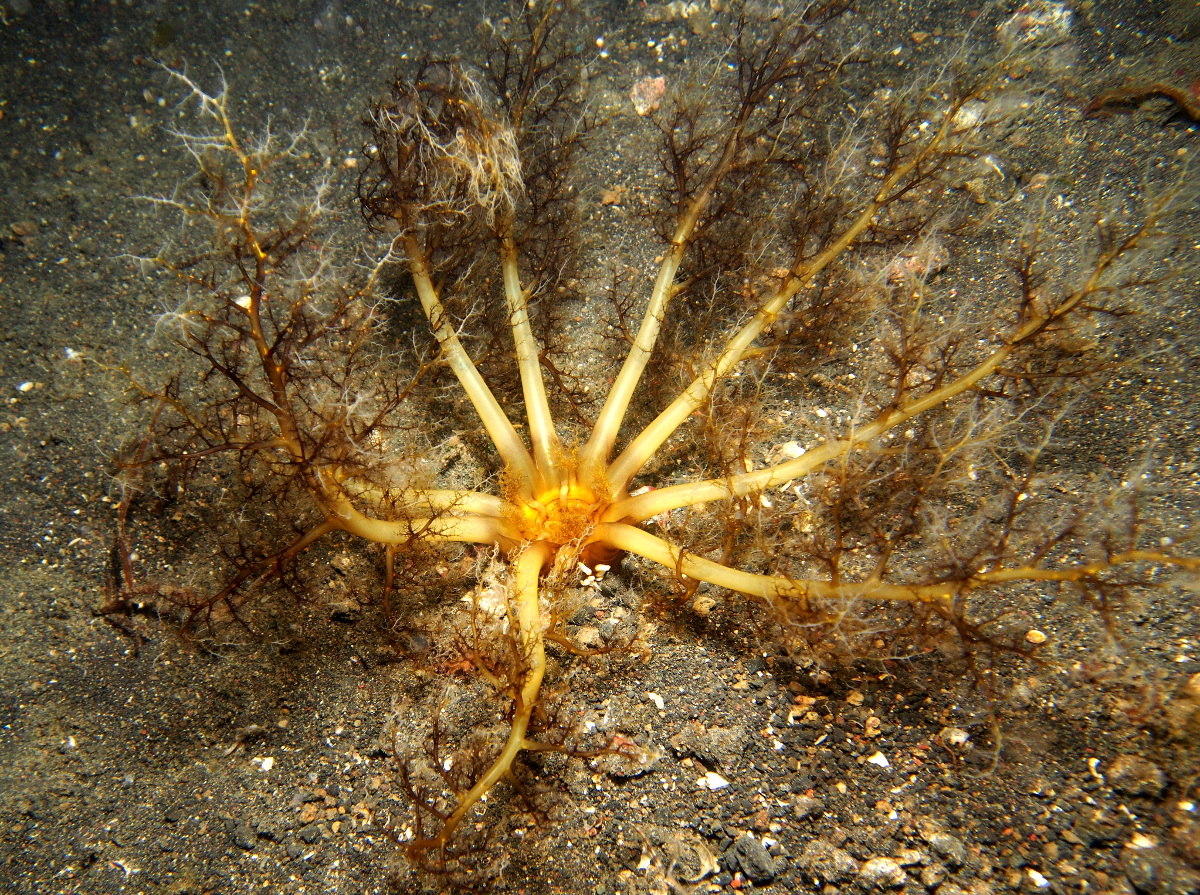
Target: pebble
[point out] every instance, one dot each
(827, 863)
(647, 94)
(24, 228)
(881, 873)
(807, 807)
(1154, 873)
(1037, 23)
(951, 889)
(954, 736)
(751, 857)
(718, 746)
(294, 850)
(1133, 775)
(933, 876)
(950, 848)
(240, 833)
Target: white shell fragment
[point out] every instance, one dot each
(954, 736)
(1039, 881)
(712, 780)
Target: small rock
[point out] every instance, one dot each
(239, 831)
(613, 196)
(933, 876)
(881, 873)
(264, 764)
(310, 833)
(1097, 831)
(1155, 873)
(949, 848)
(1183, 709)
(24, 228)
(346, 611)
(827, 863)
(647, 94)
(754, 861)
(718, 746)
(807, 807)
(1133, 775)
(954, 736)
(608, 628)
(1038, 23)
(630, 759)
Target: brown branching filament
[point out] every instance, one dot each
(923, 492)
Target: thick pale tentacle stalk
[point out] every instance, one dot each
(467, 527)
(526, 626)
(775, 588)
(499, 428)
(604, 434)
(418, 502)
(547, 452)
